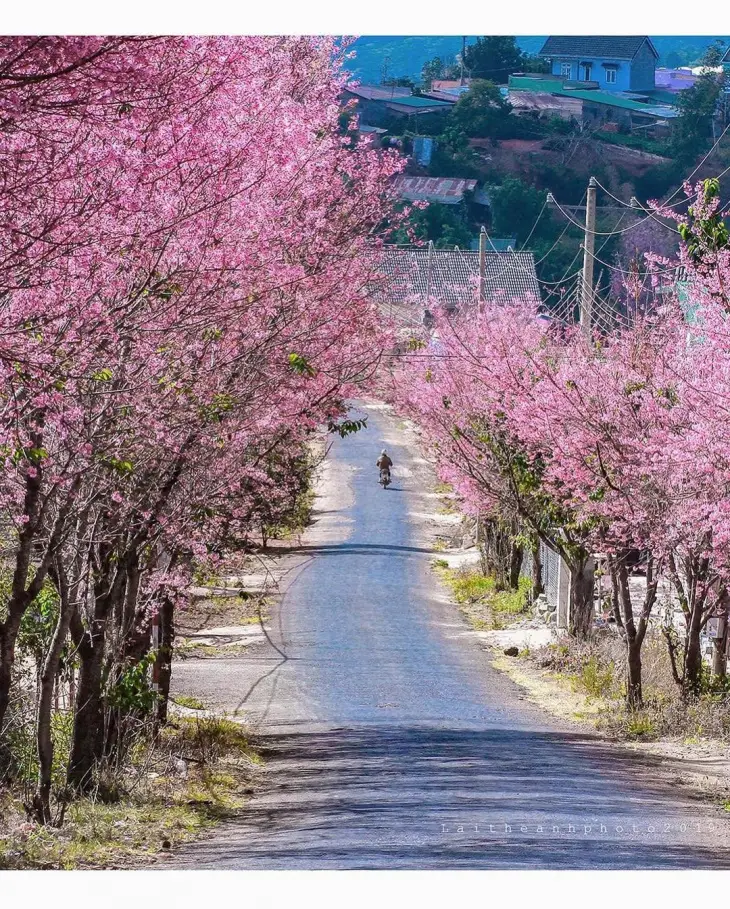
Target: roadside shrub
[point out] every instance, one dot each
(599, 681)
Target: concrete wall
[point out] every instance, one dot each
(598, 72)
(643, 70)
(634, 75)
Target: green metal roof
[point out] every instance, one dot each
(416, 101)
(555, 87)
(660, 96)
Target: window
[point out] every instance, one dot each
(584, 72)
(566, 70)
(610, 75)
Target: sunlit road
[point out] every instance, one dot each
(390, 741)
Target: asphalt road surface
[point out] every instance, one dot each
(391, 743)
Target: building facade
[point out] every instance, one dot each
(617, 64)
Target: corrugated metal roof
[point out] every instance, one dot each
(447, 190)
(453, 276)
(612, 99)
(620, 47)
(449, 97)
(418, 101)
(379, 92)
(445, 85)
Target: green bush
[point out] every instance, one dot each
(598, 680)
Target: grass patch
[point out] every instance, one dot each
(597, 680)
(597, 668)
(449, 507)
(484, 606)
(183, 700)
(198, 650)
(198, 772)
(640, 726)
(641, 143)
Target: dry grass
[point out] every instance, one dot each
(198, 772)
(598, 669)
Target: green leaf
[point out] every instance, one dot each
(301, 366)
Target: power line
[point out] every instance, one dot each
(719, 139)
(597, 233)
(623, 271)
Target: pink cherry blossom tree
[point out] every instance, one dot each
(185, 298)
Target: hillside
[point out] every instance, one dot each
(391, 55)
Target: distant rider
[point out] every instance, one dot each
(384, 462)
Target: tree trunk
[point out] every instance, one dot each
(49, 683)
(693, 653)
(88, 720)
(7, 656)
(167, 640)
(500, 557)
(44, 740)
(515, 566)
(634, 695)
(719, 662)
(581, 599)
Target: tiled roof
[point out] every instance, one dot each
(446, 190)
(454, 276)
(620, 47)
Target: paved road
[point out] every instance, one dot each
(390, 741)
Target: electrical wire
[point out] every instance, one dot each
(597, 233)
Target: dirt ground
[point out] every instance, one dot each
(703, 766)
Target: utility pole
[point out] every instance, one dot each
(589, 243)
(482, 266)
(428, 274)
(463, 54)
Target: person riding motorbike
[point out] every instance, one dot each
(384, 463)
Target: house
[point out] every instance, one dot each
(444, 190)
(455, 86)
(448, 89)
(377, 103)
(554, 95)
(618, 64)
(675, 80)
(418, 278)
(418, 104)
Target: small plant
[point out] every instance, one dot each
(640, 726)
(440, 563)
(132, 690)
(597, 680)
(184, 700)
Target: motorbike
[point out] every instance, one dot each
(385, 477)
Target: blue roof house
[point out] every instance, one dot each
(617, 64)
